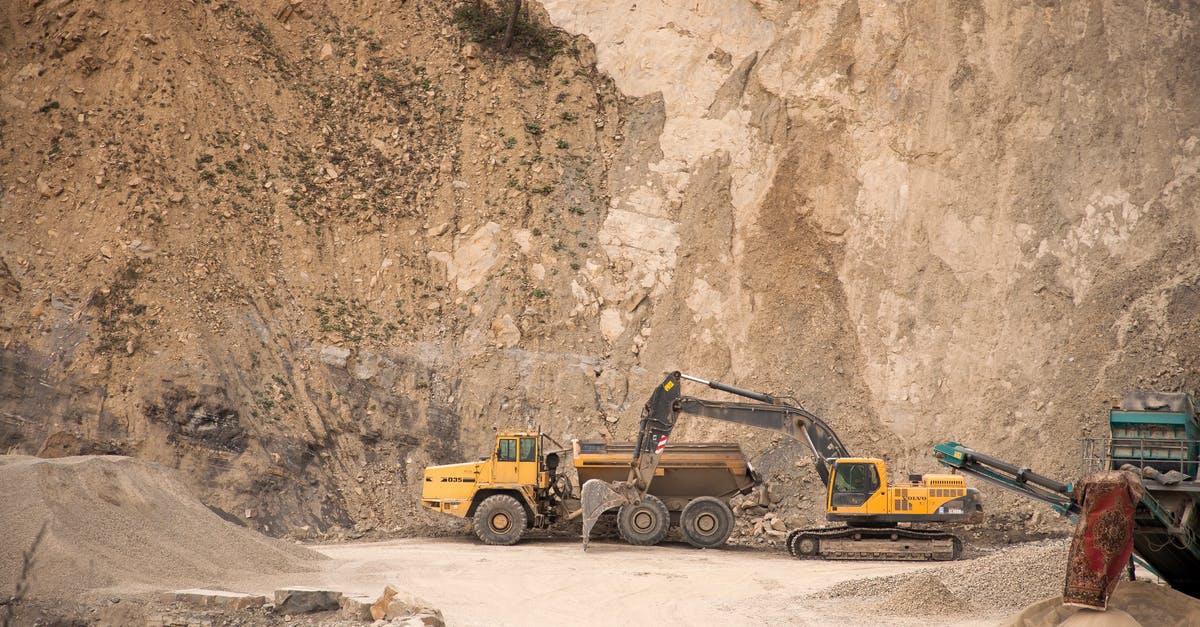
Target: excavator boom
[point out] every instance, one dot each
(794, 421)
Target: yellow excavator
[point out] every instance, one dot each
(857, 490)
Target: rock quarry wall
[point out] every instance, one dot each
(301, 259)
(960, 220)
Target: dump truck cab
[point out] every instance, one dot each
(512, 490)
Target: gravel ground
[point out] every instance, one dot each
(1005, 579)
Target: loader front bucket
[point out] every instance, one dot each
(597, 497)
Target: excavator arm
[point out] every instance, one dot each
(659, 416)
(793, 421)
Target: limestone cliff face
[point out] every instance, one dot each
(968, 220)
(301, 260)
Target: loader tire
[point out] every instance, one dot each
(646, 523)
(706, 522)
(500, 520)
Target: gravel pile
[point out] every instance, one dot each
(122, 522)
(923, 594)
(1004, 580)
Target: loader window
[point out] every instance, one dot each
(528, 450)
(507, 451)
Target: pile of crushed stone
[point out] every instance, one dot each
(122, 523)
(923, 594)
(1001, 581)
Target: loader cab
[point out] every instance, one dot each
(853, 483)
(516, 458)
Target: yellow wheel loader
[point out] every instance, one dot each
(857, 489)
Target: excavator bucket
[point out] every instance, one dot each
(597, 497)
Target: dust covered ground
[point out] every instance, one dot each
(96, 539)
(555, 581)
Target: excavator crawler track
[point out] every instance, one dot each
(865, 543)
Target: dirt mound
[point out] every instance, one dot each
(117, 521)
(1144, 602)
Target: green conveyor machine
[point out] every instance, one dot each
(1155, 433)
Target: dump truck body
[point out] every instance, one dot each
(686, 471)
(520, 485)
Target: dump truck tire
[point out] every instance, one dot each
(706, 522)
(500, 520)
(646, 523)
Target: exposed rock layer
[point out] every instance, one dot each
(302, 260)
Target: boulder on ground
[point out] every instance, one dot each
(214, 598)
(406, 608)
(424, 620)
(303, 600)
(380, 607)
(357, 607)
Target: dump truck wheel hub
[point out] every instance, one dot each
(643, 520)
(706, 523)
(500, 522)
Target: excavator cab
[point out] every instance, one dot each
(854, 482)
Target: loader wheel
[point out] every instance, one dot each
(500, 519)
(706, 522)
(644, 524)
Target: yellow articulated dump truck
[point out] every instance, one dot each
(523, 485)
